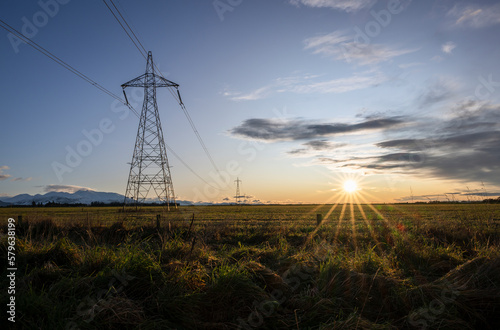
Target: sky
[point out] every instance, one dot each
(293, 97)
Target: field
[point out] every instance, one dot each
(404, 266)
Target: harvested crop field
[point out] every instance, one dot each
(401, 266)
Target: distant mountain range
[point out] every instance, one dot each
(79, 197)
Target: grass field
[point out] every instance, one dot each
(272, 267)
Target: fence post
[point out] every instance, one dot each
(319, 218)
(190, 226)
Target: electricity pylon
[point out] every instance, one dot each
(237, 196)
(149, 168)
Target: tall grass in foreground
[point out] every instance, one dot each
(381, 267)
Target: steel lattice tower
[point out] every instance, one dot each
(238, 195)
(149, 168)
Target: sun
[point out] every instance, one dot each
(350, 186)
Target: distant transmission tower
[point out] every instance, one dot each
(149, 169)
(238, 195)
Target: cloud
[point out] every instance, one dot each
(406, 144)
(21, 179)
(323, 145)
(437, 58)
(257, 94)
(448, 47)
(4, 176)
(344, 5)
(464, 147)
(64, 188)
(323, 42)
(341, 85)
(308, 84)
(474, 16)
(341, 46)
(313, 146)
(438, 89)
(409, 65)
(439, 160)
(7, 176)
(426, 198)
(461, 145)
(482, 193)
(455, 196)
(297, 129)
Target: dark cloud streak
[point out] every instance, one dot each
(291, 130)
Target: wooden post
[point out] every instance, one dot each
(158, 217)
(192, 245)
(319, 218)
(19, 221)
(190, 226)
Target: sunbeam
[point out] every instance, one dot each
(339, 224)
(370, 227)
(353, 223)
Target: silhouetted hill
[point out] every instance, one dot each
(79, 197)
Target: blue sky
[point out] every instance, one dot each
(291, 96)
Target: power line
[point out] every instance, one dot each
(176, 97)
(186, 113)
(76, 72)
(189, 168)
(62, 63)
(124, 29)
(124, 20)
(56, 59)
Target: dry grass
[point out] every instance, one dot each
(425, 266)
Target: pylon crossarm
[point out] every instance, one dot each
(148, 80)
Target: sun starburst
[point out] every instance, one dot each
(350, 186)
